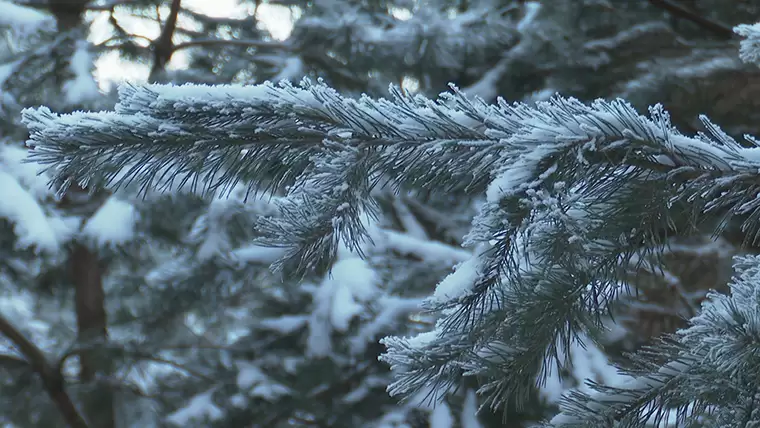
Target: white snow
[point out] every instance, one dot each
(82, 87)
(257, 254)
(19, 307)
(32, 227)
(420, 340)
(750, 46)
(112, 224)
(343, 308)
(412, 227)
(17, 16)
(459, 283)
(431, 251)
(252, 379)
(285, 324)
(639, 385)
(319, 341)
(239, 401)
(198, 408)
(209, 230)
(338, 299)
(486, 87)
(469, 415)
(292, 70)
(13, 160)
(441, 416)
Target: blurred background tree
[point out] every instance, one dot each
(126, 311)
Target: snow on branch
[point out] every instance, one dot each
(573, 191)
(22, 18)
(705, 365)
(750, 46)
(439, 40)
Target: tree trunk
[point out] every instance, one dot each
(163, 46)
(86, 275)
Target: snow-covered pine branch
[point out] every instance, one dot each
(704, 374)
(573, 191)
(750, 45)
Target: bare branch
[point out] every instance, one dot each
(11, 361)
(52, 379)
(684, 13)
(231, 42)
(128, 37)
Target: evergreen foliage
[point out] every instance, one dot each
(554, 214)
(190, 326)
(576, 194)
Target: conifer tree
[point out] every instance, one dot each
(365, 206)
(190, 325)
(575, 194)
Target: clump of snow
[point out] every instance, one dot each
(31, 225)
(291, 71)
(82, 87)
(209, 230)
(20, 18)
(419, 341)
(407, 243)
(441, 416)
(200, 407)
(13, 159)
(750, 46)
(112, 224)
(239, 401)
(285, 324)
(338, 299)
(258, 384)
(459, 283)
(469, 415)
(257, 254)
(353, 282)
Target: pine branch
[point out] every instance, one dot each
(52, 379)
(573, 192)
(696, 373)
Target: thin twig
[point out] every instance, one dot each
(13, 361)
(129, 37)
(231, 42)
(689, 15)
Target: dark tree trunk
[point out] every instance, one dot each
(86, 274)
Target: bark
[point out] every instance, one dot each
(86, 274)
(68, 13)
(163, 47)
